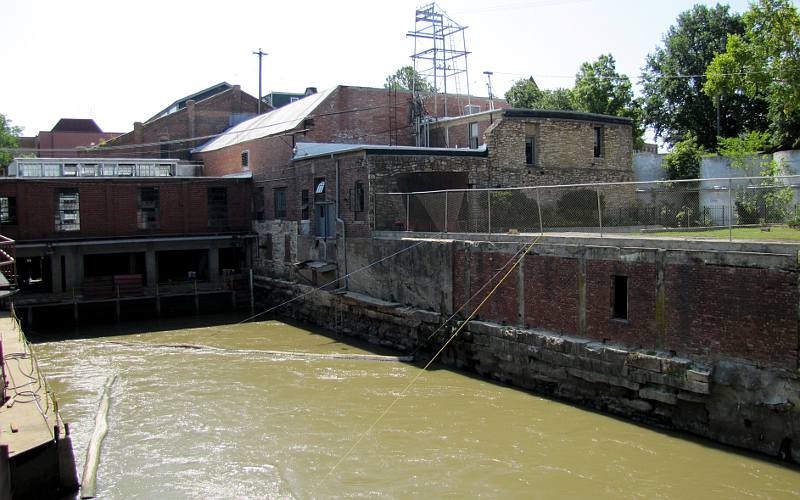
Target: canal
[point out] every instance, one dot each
(205, 410)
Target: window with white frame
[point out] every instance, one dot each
(68, 217)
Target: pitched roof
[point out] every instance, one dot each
(197, 96)
(274, 122)
(76, 125)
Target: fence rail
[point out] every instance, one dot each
(719, 203)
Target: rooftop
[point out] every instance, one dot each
(272, 123)
(306, 150)
(76, 125)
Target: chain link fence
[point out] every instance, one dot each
(632, 207)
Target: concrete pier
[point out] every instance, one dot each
(40, 457)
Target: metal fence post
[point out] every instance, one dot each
(445, 211)
(489, 208)
(599, 211)
(408, 204)
(730, 210)
(539, 208)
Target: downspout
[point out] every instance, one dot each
(344, 233)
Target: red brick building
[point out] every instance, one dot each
(65, 137)
(184, 124)
(76, 221)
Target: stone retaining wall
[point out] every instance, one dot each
(728, 400)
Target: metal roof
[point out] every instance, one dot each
(305, 150)
(274, 122)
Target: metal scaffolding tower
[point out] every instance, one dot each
(440, 56)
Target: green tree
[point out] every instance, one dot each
(683, 161)
(600, 89)
(525, 93)
(8, 140)
(406, 78)
(674, 104)
(764, 63)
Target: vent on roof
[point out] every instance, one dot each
(311, 90)
(471, 109)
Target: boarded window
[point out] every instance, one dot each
(304, 204)
(619, 297)
(598, 142)
(217, 207)
(530, 150)
(258, 204)
(473, 135)
(67, 215)
(279, 197)
(148, 215)
(358, 197)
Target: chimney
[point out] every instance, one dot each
(137, 132)
(311, 90)
(190, 116)
(237, 97)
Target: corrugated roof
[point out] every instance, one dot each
(304, 150)
(274, 122)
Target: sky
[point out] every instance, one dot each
(123, 62)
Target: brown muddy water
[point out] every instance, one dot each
(206, 412)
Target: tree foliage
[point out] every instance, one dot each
(764, 63)
(683, 161)
(675, 105)
(406, 78)
(8, 140)
(525, 93)
(600, 89)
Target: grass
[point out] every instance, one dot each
(776, 233)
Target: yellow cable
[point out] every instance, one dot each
(419, 374)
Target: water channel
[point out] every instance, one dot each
(203, 410)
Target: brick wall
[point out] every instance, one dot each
(207, 117)
(109, 207)
(708, 309)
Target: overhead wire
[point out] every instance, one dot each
(363, 268)
(435, 356)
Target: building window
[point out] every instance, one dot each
(163, 149)
(598, 142)
(68, 217)
(279, 197)
(51, 170)
(293, 99)
(217, 207)
(619, 297)
(246, 159)
(319, 189)
(8, 210)
(148, 214)
(258, 204)
(530, 150)
(358, 197)
(473, 135)
(304, 204)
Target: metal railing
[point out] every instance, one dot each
(8, 262)
(630, 207)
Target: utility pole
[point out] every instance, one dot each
(489, 85)
(260, 55)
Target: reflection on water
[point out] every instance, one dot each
(202, 412)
